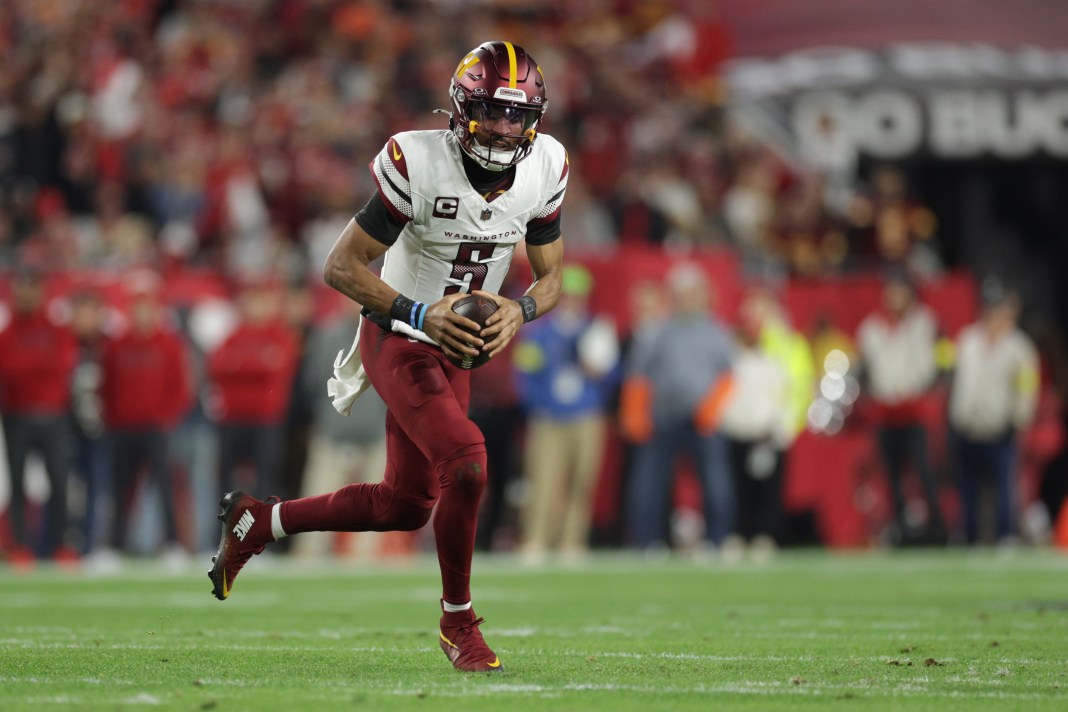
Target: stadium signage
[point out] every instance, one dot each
(949, 101)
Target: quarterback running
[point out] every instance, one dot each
(450, 208)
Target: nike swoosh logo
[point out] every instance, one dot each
(226, 590)
(397, 155)
(496, 663)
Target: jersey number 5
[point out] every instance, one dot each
(469, 267)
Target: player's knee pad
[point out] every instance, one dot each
(466, 471)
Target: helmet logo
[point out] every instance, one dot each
(508, 93)
(466, 63)
(459, 95)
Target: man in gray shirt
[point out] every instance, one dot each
(675, 386)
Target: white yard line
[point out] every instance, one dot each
(520, 652)
(463, 688)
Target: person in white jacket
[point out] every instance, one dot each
(995, 388)
(897, 345)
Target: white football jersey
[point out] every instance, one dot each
(454, 240)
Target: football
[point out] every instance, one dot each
(477, 309)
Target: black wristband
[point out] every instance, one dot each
(408, 311)
(529, 306)
(401, 308)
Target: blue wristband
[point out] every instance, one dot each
(413, 315)
(404, 309)
(420, 312)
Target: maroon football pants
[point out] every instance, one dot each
(434, 453)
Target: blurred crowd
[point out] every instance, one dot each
(143, 139)
(236, 134)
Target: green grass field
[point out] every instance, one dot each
(929, 630)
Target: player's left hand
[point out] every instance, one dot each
(502, 325)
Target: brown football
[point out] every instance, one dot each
(477, 309)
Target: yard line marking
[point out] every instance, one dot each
(142, 698)
(783, 658)
(764, 688)
(514, 652)
(913, 689)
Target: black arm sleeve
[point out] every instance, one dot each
(543, 233)
(376, 221)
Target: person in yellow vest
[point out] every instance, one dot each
(790, 347)
(773, 377)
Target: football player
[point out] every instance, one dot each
(450, 208)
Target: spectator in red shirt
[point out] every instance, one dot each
(252, 372)
(37, 358)
(146, 391)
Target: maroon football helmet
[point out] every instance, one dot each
(498, 98)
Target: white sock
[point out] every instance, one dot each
(456, 607)
(276, 522)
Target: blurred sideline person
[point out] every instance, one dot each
(993, 398)
(145, 389)
(761, 421)
(450, 209)
(37, 359)
(678, 378)
(897, 345)
(789, 347)
(342, 450)
(496, 411)
(647, 307)
(89, 320)
(565, 365)
(253, 372)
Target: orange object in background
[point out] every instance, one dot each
(1060, 528)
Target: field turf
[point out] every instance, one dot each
(960, 630)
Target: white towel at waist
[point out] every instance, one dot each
(350, 379)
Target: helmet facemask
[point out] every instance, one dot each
(497, 136)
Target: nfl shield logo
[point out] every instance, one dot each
(487, 214)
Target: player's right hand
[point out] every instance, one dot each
(456, 335)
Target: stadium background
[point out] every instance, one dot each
(223, 143)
